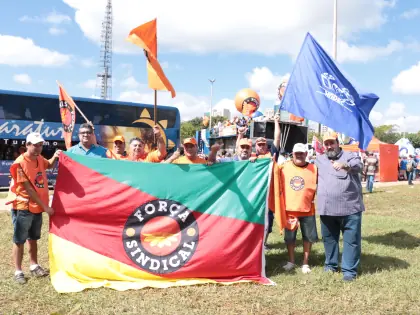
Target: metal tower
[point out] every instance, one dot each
(105, 75)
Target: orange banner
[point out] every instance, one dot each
(68, 115)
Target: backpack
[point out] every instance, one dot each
(410, 166)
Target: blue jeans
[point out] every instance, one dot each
(26, 226)
(307, 228)
(369, 182)
(410, 176)
(351, 227)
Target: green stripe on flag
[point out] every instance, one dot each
(235, 189)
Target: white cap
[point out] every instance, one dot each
(34, 138)
(299, 147)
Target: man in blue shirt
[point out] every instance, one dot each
(86, 146)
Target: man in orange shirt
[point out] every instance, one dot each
(138, 154)
(299, 182)
(191, 154)
(118, 152)
(29, 192)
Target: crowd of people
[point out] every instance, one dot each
(333, 177)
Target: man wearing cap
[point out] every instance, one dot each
(137, 152)
(87, 145)
(29, 197)
(191, 154)
(340, 206)
(243, 152)
(298, 182)
(118, 152)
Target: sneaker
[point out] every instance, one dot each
(329, 269)
(349, 278)
(39, 272)
(20, 278)
(289, 266)
(306, 269)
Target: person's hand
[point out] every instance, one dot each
(57, 153)
(156, 132)
(216, 147)
(242, 130)
(49, 210)
(277, 118)
(252, 159)
(339, 166)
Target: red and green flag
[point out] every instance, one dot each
(129, 225)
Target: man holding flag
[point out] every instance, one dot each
(318, 90)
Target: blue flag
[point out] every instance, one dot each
(318, 91)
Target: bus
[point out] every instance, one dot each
(22, 113)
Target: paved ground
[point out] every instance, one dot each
(3, 207)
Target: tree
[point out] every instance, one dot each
(189, 127)
(311, 135)
(387, 133)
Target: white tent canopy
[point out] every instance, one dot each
(405, 147)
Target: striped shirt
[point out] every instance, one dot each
(339, 193)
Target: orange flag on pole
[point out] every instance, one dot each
(145, 36)
(68, 114)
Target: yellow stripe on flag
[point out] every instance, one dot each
(74, 268)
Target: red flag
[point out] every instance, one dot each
(67, 113)
(317, 145)
(145, 37)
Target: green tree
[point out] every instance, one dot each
(189, 127)
(387, 133)
(311, 135)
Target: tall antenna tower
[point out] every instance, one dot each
(105, 75)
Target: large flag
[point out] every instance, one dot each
(67, 113)
(317, 90)
(127, 225)
(145, 36)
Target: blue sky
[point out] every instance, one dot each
(237, 42)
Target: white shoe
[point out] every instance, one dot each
(306, 269)
(289, 266)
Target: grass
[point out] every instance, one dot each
(389, 281)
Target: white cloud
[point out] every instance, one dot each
(351, 53)
(264, 82)
(410, 14)
(130, 83)
(88, 62)
(57, 18)
(89, 84)
(395, 109)
(167, 65)
(375, 116)
(52, 18)
(22, 78)
(396, 114)
(407, 81)
(18, 51)
(279, 29)
(56, 31)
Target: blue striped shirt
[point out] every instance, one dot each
(339, 193)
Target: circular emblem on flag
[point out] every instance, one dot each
(160, 236)
(39, 180)
(297, 183)
(67, 116)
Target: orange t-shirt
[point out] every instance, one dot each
(185, 160)
(264, 156)
(116, 156)
(38, 178)
(151, 157)
(299, 184)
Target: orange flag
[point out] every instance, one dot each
(145, 36)
(67, 113)
(276, 202)
(296, 118)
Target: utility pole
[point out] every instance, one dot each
(211, 100)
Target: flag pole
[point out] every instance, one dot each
(155, 114)
(335, 31)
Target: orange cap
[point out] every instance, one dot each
(190, 141)
(261, 140)
(244, 141)
(330, 136)
(119, 138)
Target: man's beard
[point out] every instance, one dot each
(332, 154)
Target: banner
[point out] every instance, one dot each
(128, 225)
